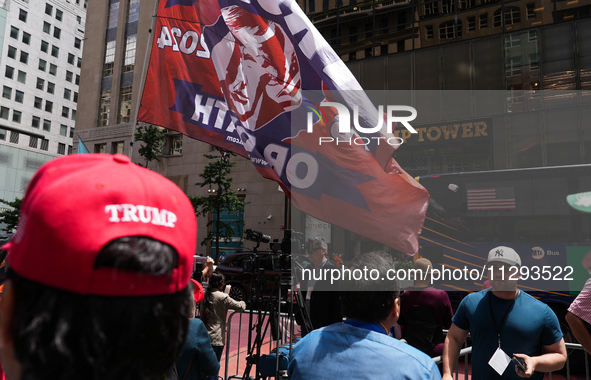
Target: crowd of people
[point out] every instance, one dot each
(98, 286)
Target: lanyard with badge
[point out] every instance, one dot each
(500, 360)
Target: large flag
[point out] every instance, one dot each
(236, 74)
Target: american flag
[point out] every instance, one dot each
(500, 198)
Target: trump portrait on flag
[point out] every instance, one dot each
(257, 67)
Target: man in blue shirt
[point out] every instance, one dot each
(505, 322)
(360, 347)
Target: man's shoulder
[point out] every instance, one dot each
(361, 342)
(533, 304)
(475, 297)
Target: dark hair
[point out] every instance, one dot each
(370, 300)
(215, 281)
(60, 335)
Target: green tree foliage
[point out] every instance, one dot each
(153, 139)
(215, 177)
(9, 217)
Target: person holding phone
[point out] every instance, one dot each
(505, 322)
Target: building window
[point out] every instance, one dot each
(42, 64)
(133, 10)
(75, 99)
(2, 134)
(9, 72)
(48, 9)
(14, 32)
(48, 106)
(57, 32)
(512, 15)
(109, 59)
(74, 115)
(532, 36)
(71, 58)
(4, 113)
(77, 80)
(512, 40)
(125, 105)
(70, 149)
(466, 4)
(46, 125)
(63, 130)
(129, 62)
(471, 24)
(44, 144)
(72, 132)
(104, 108)
(534, 62)
(483, 21)
(176, 145)
(50, 87)
(33, 141)
(429, 31)
(447, 30)
(7, 92)
(448, 6)
(113, 15)
(58, 15)
(19, 96)
(69, 76)
(40, 84)
(77, 43)
(44, 46)
(384, 49)
(16, 116)
(531, 13)
(100, 148)
(79, 63)
(432, 8)
(36, 122)
(79, 19)
(67, 93)
(46, 27)
(14, 136)
(65, 112)
(61, 148)
(22, 15)
(38, 102)
(24, 57)
(117, 147)
(55, 51)
(11, 52)
(22, 77)
(26, 38)
(513, 66)
(311, 6)
(52, 69)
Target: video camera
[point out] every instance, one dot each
(256, 236)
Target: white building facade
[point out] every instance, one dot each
(41, 45)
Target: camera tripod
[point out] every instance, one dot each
(270, 307)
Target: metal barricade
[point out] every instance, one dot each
(465, 352)
(241, 337)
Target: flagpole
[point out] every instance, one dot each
(143, 77)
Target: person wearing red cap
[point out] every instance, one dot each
(99, 268)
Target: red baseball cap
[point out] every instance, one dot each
(76, 204)
(198, 292)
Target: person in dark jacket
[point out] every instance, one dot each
(324, 306)
(198, 360)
